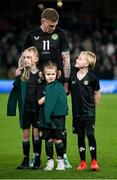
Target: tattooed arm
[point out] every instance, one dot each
(66, 63)
(66, 68)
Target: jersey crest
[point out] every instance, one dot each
(54, 36)
(86, 82)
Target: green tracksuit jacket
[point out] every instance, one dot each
(55, 101)
(17, 95)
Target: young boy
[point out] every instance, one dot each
(54, 102)
(85, 95)
(24, 91)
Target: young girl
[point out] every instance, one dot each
(24, 90)
(85, 94)
(54, 100)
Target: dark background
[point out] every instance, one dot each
(11, 8)
(90, 25)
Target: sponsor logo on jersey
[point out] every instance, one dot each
(39, 81)
(86, 82)
(36, 38)
(54, 36)
(73, 82)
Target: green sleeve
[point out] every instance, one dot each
(12, 101)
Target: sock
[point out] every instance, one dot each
(37, 143)
(33, 141)
(65, 142)
(81, 147)
(59, 150)
(26, 148)
(49, 149)
(65, 156)
(92, 146)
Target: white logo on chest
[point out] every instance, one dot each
(36, 38)
(73, 82)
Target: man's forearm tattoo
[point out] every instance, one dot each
(66, 63)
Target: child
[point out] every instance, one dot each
(24, 90)
(54, 101)
(85, 94)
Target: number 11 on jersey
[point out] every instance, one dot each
(46, 45)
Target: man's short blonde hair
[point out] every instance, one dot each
(91, 58)
(50, 14)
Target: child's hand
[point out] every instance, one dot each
(17, 72)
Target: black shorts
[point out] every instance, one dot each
(57, 122)
(51, 133)
(83, 125)
(29, 118)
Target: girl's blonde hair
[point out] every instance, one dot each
(91, 58)
(26, 72)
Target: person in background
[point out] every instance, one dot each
(85, 94)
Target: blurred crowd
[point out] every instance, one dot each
(85, 32)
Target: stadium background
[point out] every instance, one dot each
(90, 26)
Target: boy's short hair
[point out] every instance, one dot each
(91, 58)
(50, 14)
(50, 65)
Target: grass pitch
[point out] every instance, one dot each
(106, 136)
